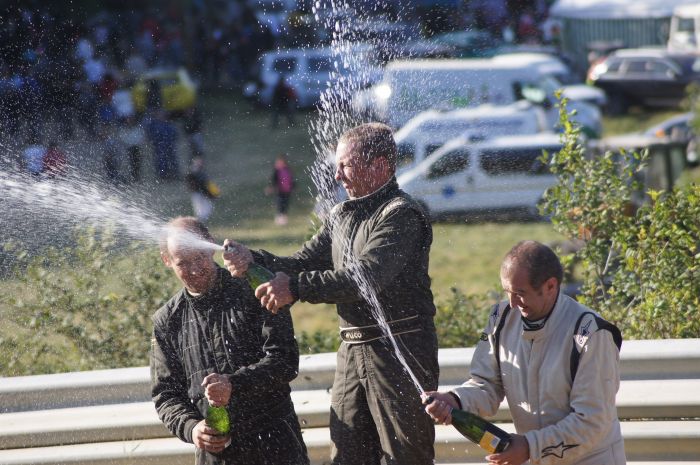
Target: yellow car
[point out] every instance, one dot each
(177, 90)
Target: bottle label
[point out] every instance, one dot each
(489, 442)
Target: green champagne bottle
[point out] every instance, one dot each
(482, 432)
(479, 431)
(217, 418)
(258, 274)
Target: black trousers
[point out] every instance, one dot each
(376, 412)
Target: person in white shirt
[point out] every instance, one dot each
(555, 361)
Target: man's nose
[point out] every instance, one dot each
(513, 300)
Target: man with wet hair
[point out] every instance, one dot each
(557, 363)
(370, 258)
(213, 344)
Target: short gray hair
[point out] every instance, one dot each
(372, 140)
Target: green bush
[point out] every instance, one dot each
(318, 342)
(461, 318)
(638, 265)
(85, 307)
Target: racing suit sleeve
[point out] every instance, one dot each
(483, 393)
(315, 254)
(169, 388)
(392, 243)
(280, 364)
(385, 254)
(592, 401)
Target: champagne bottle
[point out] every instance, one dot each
(256, 274)
(482, 432)
(217, 418)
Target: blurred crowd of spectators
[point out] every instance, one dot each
(67, 74)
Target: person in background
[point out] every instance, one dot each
(192, 126)
(213, 344)
(379, 236)
(203, 191)
(111, 150)
(33, 157)
(283, 102)
(163, 136)
(133, 138)
(281, 184)
(557, 363)
(55, 161)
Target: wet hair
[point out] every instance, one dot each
(372, 141)
(186, 223)
(539, 261)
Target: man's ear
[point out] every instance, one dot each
(166, 258)
(552, 284)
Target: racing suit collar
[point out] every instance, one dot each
(545, 330)
(373, 200)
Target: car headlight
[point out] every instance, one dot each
(383, 91)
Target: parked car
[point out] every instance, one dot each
(467, 44)
(308, 71)
(495, 175)
(679, 129)
(649, 77)
(429, 130)
(177, 90)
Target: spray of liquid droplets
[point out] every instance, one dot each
(353, 70)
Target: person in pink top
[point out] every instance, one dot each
(281, 183)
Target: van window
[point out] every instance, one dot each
(430, 148)
(406, 154)
(636, 66)
(515, 161)
(450, 163)
(686, 25)
(320, 65)
(613, 65)
(284, 65)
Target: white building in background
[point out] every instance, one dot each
(628, 23)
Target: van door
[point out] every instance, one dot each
(446, 182)
(510, 178)
(412, 153)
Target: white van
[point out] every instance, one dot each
(411, 86)
(558, 75)
(429, 130)
(684, 35)
(499, 174)
(308, 72)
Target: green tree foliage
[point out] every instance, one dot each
(638, 263)
(84, 307)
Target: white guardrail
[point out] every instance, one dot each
(106, 416)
